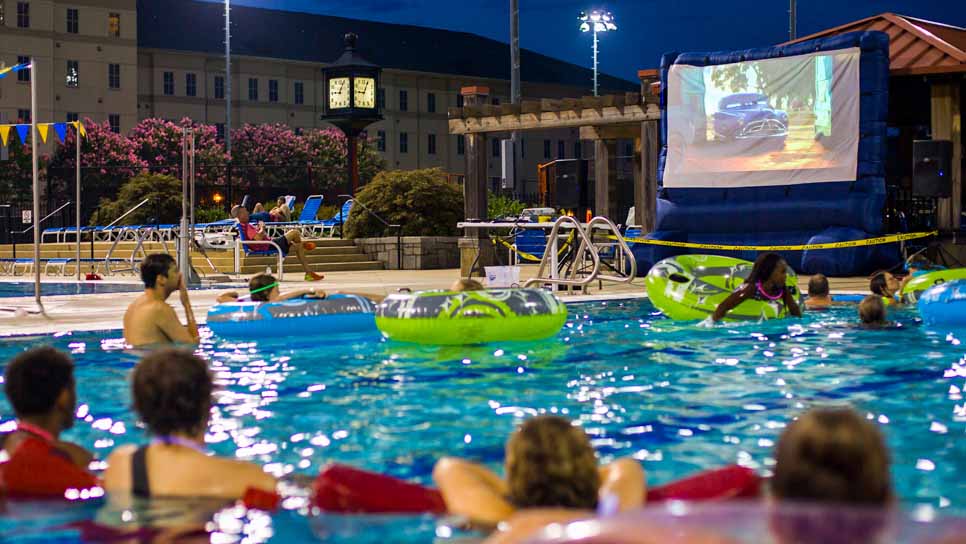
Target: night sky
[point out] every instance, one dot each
(646, 28)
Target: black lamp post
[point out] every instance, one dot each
(351, 83)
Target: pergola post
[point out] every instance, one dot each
(605, 201)
(474, 245)
(947, 125)
(646, 210)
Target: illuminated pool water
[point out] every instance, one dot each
(678, 397)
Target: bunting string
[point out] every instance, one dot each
(22, 130)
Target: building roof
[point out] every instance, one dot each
(916, 46)
(187, 25)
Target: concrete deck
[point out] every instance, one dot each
(106, 311)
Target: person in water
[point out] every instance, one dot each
(150, 320)
(872, 311)
(552, 474)
(818, 293)
(39, 384)
(264, 288)
(766, 282)
(461, 285)
(172, 394)
(887, 286)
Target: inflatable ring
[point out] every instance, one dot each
(944, 306)
(920, 284)
(471, 317)
(690, 287)
(335, 314)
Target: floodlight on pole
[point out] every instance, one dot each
(596, 21)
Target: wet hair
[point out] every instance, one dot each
(172, 390)
(550, 463)
(154, 265)
(261, 281)
(35, 378)
(467, 285)
(878, 284)
(764, 267)
(832, 455)
(818, 286)
(872, 310)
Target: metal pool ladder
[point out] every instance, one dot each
(583, 266)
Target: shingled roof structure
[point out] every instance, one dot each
(187, 25)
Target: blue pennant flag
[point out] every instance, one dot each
(61, 130)
(17, 68)
(23, 131)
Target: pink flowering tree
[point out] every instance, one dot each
(327, 156)
(158, 143)
(108, 160)
(268, 157)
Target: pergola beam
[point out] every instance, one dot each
(553, 118)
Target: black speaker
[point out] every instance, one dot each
(932, 174)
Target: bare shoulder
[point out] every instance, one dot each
(245, 474)
(117, 475)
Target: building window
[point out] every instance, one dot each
(577, 149)
(72, 21)
(431, 102)
(115, 121)
(561, 150)
(546, 149)
(403, 101)
(23, 75)
(404, 142)
(72, 117)
(168, 83)
(273, 90)
(496, 147)
(460, 100)
(460, 144)
(381, 140)
(381, 99)
(2, 18)
(191, 84)
(495, 101)
(299, 93)
(23, 116)
(23, 14)
(253, 89)
(73, 73)
(114, 25)
(114, 76)
(220, 87)
(220, 129)
(431, 144)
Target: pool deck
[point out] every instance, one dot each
(106, 311)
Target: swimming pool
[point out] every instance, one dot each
(678, 397)
(26, 289)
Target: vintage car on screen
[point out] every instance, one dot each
(747, 115)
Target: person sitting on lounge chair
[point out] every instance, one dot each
(290, 240)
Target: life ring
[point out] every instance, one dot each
(335, 314)
(690, 287)
(944, 306)
(346, 489)
(920, 284)
(38, 470)
(471, 317)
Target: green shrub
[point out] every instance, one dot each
(327, 210)
(424, 202)
(501, 206)
(209, 214)
(164, 206)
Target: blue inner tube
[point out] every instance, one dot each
(335, 314)
(944, 306)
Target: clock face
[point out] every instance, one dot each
(339, 93)
(365, 92)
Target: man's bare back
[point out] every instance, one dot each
(150, 320)
(142, 321)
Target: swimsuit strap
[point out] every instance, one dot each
(767, 295)
(169, 440)
(35, 430)
(139, 473)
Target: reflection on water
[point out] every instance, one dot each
(680, 398)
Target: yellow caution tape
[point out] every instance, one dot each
(831, 245)
(528, 256)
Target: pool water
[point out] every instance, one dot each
(676, 396)
(26, 289)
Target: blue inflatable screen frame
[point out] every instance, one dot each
(793, 214)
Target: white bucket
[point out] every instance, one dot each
(502, 276)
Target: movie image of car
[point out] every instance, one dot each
(745, 116)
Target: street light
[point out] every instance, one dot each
(596, 21)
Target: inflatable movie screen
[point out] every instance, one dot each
(777, 121)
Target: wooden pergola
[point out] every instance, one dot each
(603, 119)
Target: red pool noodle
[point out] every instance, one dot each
(37, 470)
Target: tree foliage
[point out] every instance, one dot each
(158, 143)
(327, 154)
(423, 202)
(16, 174)
(498, 205)
(164, 206)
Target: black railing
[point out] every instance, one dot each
(31, 227)
(379, 218)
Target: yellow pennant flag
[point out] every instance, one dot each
(4, 133)
(43, 129)
(80, 128)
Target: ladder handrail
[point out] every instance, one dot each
(548, 254)
(129, 212)
(624, 249)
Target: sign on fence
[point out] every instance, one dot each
(27, 216)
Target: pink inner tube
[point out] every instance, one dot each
(760, 523)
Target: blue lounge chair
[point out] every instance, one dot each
(530, 241)
(338, 219)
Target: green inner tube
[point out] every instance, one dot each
(471, 317)
(690, 287)
(920, 284)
